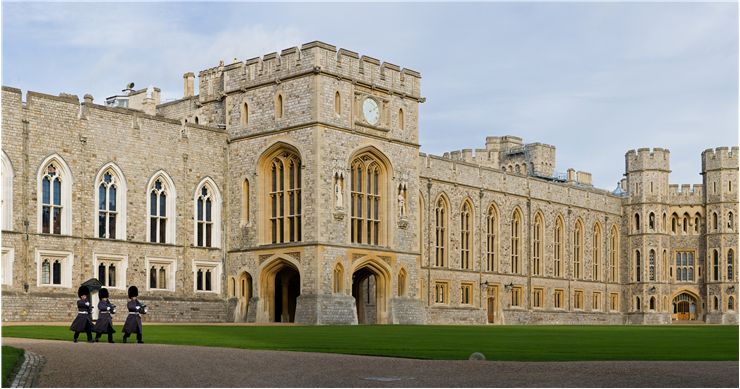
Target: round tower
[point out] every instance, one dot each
(644, 224)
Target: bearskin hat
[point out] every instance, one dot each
(103, 294)
(83, 291)
(133, 291)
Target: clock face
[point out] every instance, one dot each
(370, 111)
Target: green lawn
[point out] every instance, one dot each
(11, 357)
(508, 343)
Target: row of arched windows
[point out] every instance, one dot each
(685, 224)
(491, 243)
(55, 205)
(684, 266)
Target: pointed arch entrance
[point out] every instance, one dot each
(244, 294)
(686, 307)
(371, 281)
(280, 282)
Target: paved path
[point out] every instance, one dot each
(153, 365)
(28, 371)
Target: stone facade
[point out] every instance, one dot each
(322, 210)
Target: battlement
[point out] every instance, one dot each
(685, 189)
(647, 159)
(314, 57)
(719, 158)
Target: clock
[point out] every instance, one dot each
(370, 111)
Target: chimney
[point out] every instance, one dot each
(571, 175)
(189, 84)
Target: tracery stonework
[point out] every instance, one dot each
(229, 205)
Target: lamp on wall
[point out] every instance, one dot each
(652, 289)
(509, 286)
(731, 289)
(486, 284)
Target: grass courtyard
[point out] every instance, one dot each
(505, 343)
(11, 357)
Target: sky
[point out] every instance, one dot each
(593, 79)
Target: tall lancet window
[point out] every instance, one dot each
(107, 206)
(204, 218)
(367, 201)
(285, 207)
(51, 200)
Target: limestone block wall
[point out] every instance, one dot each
(87, 137)
(483, 187)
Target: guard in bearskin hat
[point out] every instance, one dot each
(83, 321)
(104, 325)
(135, 310)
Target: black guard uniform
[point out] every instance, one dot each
(133, 320)
(83, 320)
(104, 325)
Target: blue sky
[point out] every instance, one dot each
(593, 79)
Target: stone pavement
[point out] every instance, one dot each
(28, 371)
(153, 365)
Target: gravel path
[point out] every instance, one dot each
(153, 365)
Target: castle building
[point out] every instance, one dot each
(291, 188)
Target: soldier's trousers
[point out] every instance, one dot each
(127, 334)
(110, 336)
(88, 333)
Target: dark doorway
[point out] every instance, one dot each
(364, 290)
(287, 289)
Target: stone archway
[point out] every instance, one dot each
(686, 306)
(244, 294)
(371, 282)
(280, 284)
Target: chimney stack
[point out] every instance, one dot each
(189, 84)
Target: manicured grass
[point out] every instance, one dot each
(509, 343)
(11, 357)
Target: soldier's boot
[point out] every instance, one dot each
(125, 337)
(97, 337)
(110, 337)
(138, 338)
(77, 335)
(89, 337)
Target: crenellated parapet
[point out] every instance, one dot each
(314, 57)
(647, 159)
(719, 158)
(686, 194)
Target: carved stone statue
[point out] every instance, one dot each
(338, 194)
(401, 206)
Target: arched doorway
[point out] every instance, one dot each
(244, 287)
(685, 307)
(492, 304)
(281, 286)
(370, 283)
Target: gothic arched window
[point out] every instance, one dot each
(161, 204)
(440, 241)
(55, 200)
(578, 250)
(368, 204)
(558, 248)
(492, 239)
(284, 204)
(516, 248)
(110, 203)
(466, 220)
(207, 214)
(537, 245)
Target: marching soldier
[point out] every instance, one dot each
(135, 310)
(104, 325)
(83, 321)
